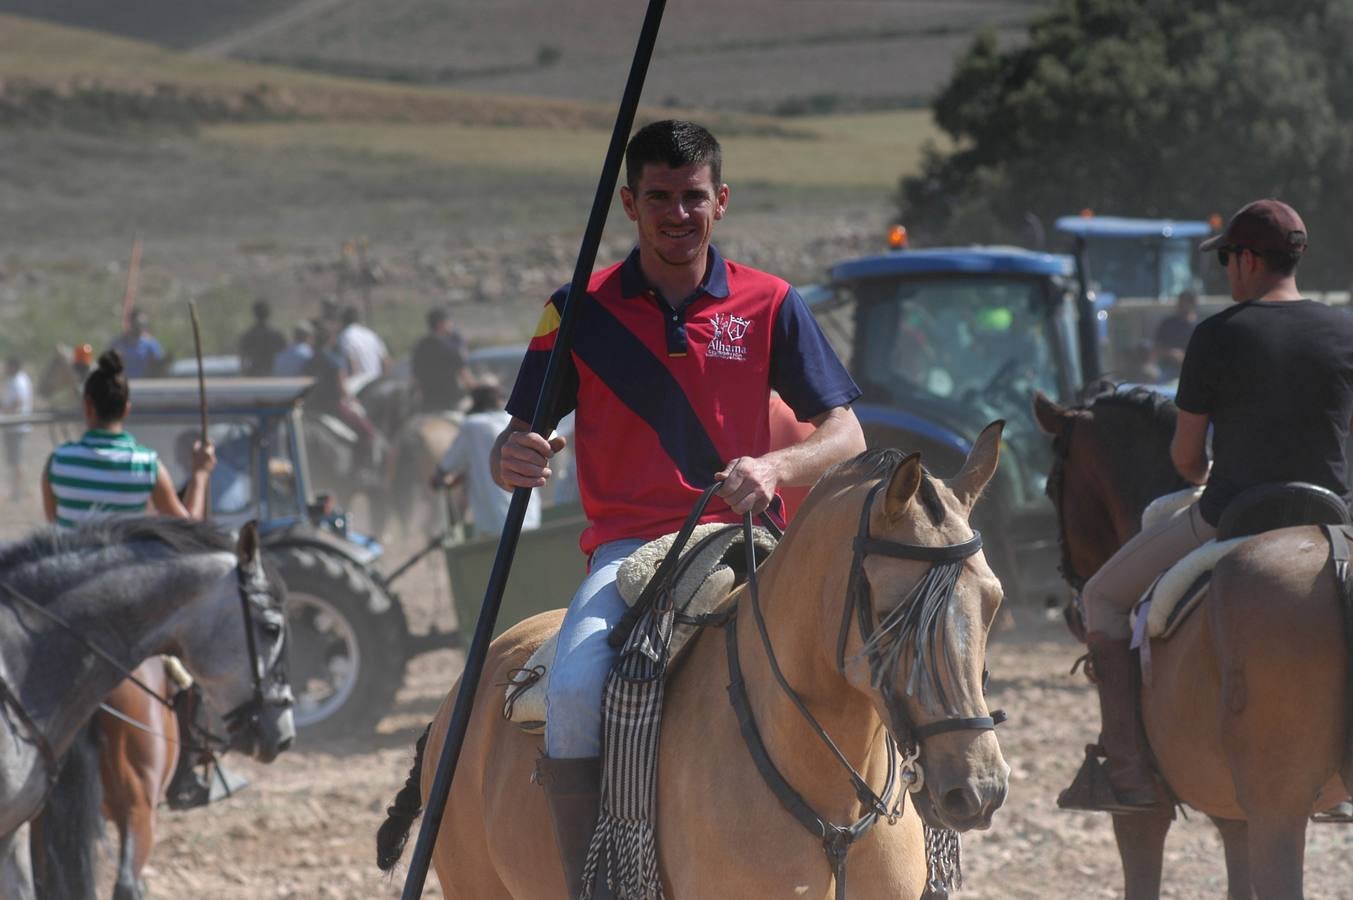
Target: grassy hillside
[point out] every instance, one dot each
(751, 55)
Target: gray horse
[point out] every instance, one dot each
(132, 588)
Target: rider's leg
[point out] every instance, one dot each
(1108, 598)
(570, 771)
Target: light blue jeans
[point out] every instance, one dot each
(583, 658)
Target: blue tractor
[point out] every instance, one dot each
(943, 341)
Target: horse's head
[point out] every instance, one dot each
(1111, 457)
(237, 654)
(911, 632)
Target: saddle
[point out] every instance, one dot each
(1267, 507)
(706, 574)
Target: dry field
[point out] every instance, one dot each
(750, 55)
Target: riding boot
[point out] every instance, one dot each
(187, 789)
(1122, 734)
(573, 789)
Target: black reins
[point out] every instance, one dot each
(915, 617)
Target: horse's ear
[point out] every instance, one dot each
(979, 466)
(1051, 416)
(246, 548)
(903, 486)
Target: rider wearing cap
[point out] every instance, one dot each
(1272, 376)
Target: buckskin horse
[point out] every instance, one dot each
(1245, 709)
(878, 524)
(79, 609)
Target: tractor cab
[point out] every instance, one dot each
(943, 341)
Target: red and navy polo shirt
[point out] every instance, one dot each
(667, 395)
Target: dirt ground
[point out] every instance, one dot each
(305, 828)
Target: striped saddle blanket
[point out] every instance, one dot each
(710, 568)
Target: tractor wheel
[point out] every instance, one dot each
(346, 642)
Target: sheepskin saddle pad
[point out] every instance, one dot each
(1178, 591)
(711, 566)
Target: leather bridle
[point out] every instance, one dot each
(245, 715)
(913, 618)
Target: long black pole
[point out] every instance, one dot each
(540, 424)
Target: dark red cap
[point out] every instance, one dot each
(1269, 225)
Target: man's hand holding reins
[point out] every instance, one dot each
(749, 484)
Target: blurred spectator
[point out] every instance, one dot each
(1173, 332)
(332, 395)
(439, 363)
(17, 400)
(142, 355)
(294, 359)
(81, 359)
(260, 345)
(1139, 365)
(468, 459)
(363, 350)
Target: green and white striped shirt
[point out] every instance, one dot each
(103, 474)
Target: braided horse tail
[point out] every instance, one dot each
(406, 807)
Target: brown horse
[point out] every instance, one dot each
(721, 830)
(137, 750)
(1246, 704)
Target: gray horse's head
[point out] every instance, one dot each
(234, 643)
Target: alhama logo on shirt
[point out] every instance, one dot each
(729, 330)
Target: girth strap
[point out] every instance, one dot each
(836, 839)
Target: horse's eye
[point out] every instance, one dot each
(272, 630)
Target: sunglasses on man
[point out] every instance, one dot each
(1224, 254)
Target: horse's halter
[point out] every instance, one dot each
(913, 623)
(914, 617)
(249, 713)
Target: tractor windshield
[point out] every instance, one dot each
(1152, 267)
(964, 350)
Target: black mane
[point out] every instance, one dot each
(174, 534)
(1137, 426)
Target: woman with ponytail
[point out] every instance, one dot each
(106, 472)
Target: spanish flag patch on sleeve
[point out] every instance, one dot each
(546, 329)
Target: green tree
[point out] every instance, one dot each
(1174, 108)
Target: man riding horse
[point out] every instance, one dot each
(676, 355)
(1273, 378)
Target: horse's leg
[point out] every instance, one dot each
(1141, 847)
(1235, 839)
(127, 886)
(16, 870)
(1278, 850)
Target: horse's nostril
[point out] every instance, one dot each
(960, 802)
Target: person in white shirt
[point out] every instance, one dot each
(467, 460)
(363, 350)
(17, 399)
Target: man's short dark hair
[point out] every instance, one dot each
(350, 315)
(262, 310)
(437, 315)
(1280, 262)
(675, 143)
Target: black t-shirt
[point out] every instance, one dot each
(259, 346)
(437, 362)
(1276, 380)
